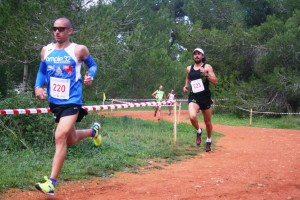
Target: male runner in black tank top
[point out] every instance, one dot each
(198, 77)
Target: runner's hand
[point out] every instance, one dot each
(40, 93)
(87, 79)
(185, 89)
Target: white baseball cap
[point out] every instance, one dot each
(200, 50)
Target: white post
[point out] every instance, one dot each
(179, 109)
(175, 123)
(112, 102)
(251, 117)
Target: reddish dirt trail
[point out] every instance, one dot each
(247, 163)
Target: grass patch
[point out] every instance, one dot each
(128, 145)
(261, 121)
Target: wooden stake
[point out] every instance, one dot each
(175, 123)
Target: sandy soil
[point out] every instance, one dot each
(247, 163)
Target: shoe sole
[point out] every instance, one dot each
(99, 135)
(42, 191)
(100, 141)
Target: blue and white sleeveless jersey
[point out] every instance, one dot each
(63, 78)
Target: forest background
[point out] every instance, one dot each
(253, 46)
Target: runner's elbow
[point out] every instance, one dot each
(214, 82)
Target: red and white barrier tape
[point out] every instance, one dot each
(87, 108)
(142, 100)
(125, 102)
(270, 113)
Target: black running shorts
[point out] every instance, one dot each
(60, 111)
(204, 105)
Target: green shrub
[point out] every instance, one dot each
(25, 130)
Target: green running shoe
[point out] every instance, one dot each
(47, 187)
(97, 138)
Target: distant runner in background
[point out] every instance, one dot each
(159, 95)
(198, 76)
(171, 97)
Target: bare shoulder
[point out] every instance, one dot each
(43, 52)
(81, 52)
(188, 68)
(208, 67)
(44, 49)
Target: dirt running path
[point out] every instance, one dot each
(247, 163)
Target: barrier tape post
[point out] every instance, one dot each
(251, 116)
(104, 98)
(179, 109)
(175, 123)
(112, 102)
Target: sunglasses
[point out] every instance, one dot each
(60, 29)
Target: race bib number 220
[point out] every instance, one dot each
(60, 88)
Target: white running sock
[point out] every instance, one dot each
(208, 140)
(199, 131)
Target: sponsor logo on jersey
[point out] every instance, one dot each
(59, 59)
(58, 72)
(51, 68)
(68, 69)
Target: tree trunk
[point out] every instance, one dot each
(25, 78)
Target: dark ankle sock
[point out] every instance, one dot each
(53, 181)
(93, 132)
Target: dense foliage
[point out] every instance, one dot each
(252, 45)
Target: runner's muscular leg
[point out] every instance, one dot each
(77, 135)
(65, 127)
(159, 110)
(193, 108)
(156, 108)
(207, 121)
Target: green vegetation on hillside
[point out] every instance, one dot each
(139, 44)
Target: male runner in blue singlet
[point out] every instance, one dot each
(60, 70)
(199, 75)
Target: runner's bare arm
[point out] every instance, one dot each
(83, 55)
(210, 74)
(154, 94)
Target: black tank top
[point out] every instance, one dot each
(205, 95)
